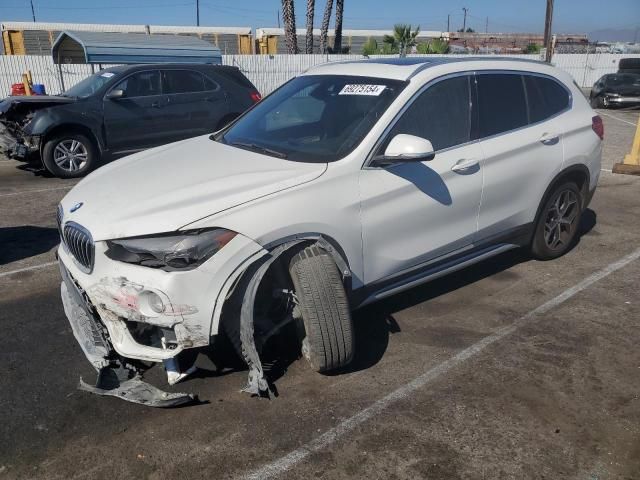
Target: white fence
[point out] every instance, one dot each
(268, 72)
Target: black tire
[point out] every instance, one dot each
(558, 222)
(328, 343)
(78, 163)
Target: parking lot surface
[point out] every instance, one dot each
(511, 369)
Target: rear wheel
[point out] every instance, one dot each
(69, 155)
(326, 328)
(558, 222)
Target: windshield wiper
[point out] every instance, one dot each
(258, 148)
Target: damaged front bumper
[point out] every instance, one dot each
(110, 313)
(115, 377)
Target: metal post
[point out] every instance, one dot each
(464, 22)
(198, 13)
(547, 31)
(33, 12)
(448, 20)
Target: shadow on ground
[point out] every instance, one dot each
(18, 243)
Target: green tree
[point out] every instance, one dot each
(370, 47)
(532, 48)
(402, 39)
(437, 45)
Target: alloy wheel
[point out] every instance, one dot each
(70, 155)
(561, 218)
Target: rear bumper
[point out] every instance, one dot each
(615, 100)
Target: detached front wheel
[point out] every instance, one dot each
(326, 327)
(69, 155)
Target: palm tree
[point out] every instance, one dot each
(337, 42)
(289, 19)
(325, 26)
(402, 39)
(311, 7)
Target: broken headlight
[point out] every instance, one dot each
(172, 251)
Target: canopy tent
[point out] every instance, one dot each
(128, 48)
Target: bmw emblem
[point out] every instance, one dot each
(76, 207)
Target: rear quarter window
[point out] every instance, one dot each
(545, 96)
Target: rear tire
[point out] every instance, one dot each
(558, 222)
(70, 155)
(328, 341)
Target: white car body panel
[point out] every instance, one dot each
(378, 219)
(415, 211)
(170, 186)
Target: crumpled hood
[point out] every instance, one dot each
(39, 101)
(168, 187)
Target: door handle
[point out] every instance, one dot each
(464, 164)
(549, 138)
(155, 104)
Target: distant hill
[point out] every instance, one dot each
(612, 35)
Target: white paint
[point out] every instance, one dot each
(616, 118)
(278, 467)
(35, 191)
(27, 269)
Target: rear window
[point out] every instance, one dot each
(236, 76)
(546, 97)
(501, 103)
(182, 81)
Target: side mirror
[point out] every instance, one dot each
(115, 94)
(407, 148)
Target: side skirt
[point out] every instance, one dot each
(439, 267)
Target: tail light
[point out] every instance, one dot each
(597, 126)
(256, 97)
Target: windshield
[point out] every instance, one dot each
(89, 85)
(623, 79)
(314, 118)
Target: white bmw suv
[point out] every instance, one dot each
(348, 184)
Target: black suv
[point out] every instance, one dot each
(122, 110)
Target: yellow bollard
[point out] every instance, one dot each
(631, 163)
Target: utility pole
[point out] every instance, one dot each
(448, 20)
(464, 22)
(33, 12)
(278, 15)
(486, 26)
(198, 12)
(547, 31)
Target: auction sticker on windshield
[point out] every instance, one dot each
(360, 89)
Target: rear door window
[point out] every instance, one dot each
(545, 97)
(441, 114)
(502, 105)
(141, 84)
(182, 81)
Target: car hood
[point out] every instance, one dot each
(166, 188)
(32, 102)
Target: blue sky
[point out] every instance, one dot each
(504, 15)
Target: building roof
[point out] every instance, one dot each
(107, 47)
(261, 32)
(77, 27)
